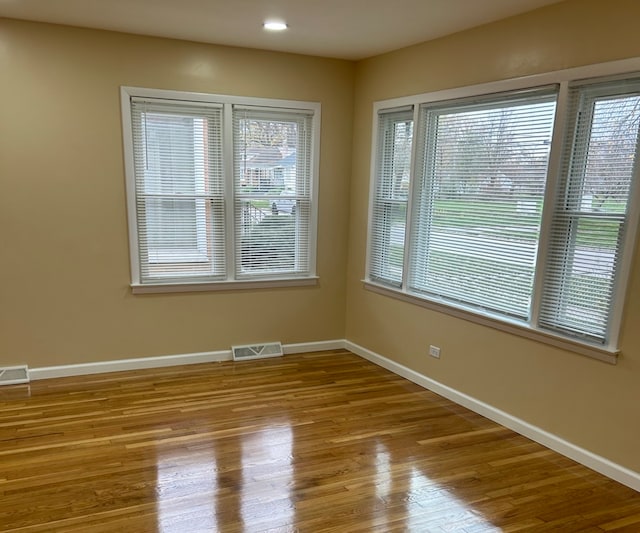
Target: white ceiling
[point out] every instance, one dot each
(348, 29)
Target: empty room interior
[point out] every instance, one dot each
(424, 246)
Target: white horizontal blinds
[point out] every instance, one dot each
(177, 150)
(590, 218)
(389, 208)
(482, 167)
(272, 192)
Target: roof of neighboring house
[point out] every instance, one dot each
(268, 157)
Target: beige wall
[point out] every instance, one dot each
(65, 294)
(592, 404)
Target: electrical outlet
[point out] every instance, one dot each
(434, 351)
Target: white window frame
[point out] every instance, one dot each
(227, 102)
(607, 353)
(378, 200)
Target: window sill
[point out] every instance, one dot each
(137, 288)
(595, 352)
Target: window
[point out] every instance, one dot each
(590, 217)
(512, 207)
(179, 205)
(389, 209)
(220, 189)
(272, 191)
(482, 169)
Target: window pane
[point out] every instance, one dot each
(477, 220)
(590, 216)
(181, 238)
(169, 153)
(268, 241)
(389, 210)
(180, 209)
(610, 154)
(272, 154)
(387, 247)
(172, 224)
(580, 279)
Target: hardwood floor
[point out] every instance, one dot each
(314, 442)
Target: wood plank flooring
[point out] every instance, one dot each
(313, 442)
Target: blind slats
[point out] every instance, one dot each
(184, 200)
(590, 216)
(479, 177)
(178, 187)
(272, 184)
(389, 210)
(476, 221)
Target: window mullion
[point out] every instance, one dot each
(229, 191)
(128, 117)
(551, 195)
(408, 240)
(422, 203)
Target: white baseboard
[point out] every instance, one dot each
(595, 462)
(140, 363)
(591, 460)
(314, 346)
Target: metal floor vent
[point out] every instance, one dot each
(256, 351)
(13, 375)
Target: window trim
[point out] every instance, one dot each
(227, 103)
(156, 288)
(608, 353)
(499, 323)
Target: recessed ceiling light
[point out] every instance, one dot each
(273, 25)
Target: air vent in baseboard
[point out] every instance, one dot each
(14, 375)
(256, 351)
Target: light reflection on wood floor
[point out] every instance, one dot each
(315, 442)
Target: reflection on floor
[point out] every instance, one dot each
(314, 442)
